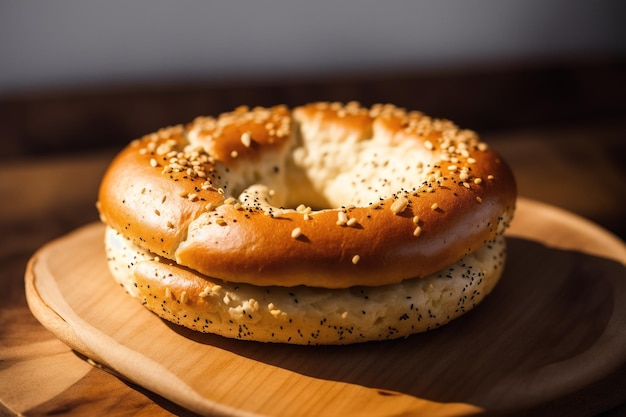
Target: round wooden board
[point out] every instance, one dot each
(554, 326)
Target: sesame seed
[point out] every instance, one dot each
(254, 304)
(304, 209)
(205, 292)
(184, 297)
(246, 139)
(416, 219)
(351, 222)
(234, 154)
(417, 231)
(154, 163)
(428, 144)
(170, 225)
(342, 218)
(168, 293)
(480, 200)
(471, 160)
(490, 177)
(435, 206)
(399, 205)
(157, 212)
(356, 259)
(478, 180)
(296, 233)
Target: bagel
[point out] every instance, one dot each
(270, 224)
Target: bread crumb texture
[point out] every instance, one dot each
(304, 315)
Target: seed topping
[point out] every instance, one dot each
(296, 233)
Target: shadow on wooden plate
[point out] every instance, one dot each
(552, 330)
(554, 324)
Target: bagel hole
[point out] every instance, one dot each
(326, 173)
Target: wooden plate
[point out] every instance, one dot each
(554, 326)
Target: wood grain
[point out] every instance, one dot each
(554, 326)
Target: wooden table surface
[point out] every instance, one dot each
(48, 196)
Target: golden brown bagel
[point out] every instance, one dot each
(348, 195)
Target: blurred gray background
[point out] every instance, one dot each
(71, 44)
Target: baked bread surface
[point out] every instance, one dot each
(304, 315)
(325, 195)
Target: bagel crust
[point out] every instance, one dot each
(325, 195)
